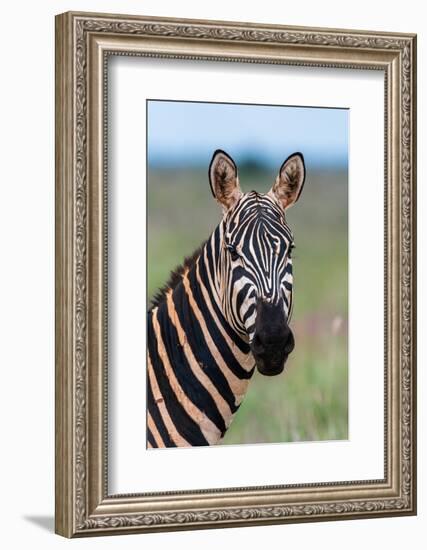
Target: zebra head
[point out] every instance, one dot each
(254, 267)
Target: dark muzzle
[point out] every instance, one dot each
(273, 340)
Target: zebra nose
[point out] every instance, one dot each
(272, 332)
(273, 338)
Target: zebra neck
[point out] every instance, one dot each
(200, 367)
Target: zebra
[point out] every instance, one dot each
(223, 312)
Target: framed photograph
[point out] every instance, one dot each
(235, 274)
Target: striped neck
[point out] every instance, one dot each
(199, 367)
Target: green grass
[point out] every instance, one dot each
(306, 403)
(309, 401)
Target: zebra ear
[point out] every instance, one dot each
(223, 179)
(290, 181)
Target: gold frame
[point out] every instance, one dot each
(83, 43)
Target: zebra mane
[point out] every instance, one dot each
(175, 277)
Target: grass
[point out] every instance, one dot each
(306, 403)
(309, 401)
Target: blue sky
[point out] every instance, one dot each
(187, 133)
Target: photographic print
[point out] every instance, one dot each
(247, 274)
(235, 274)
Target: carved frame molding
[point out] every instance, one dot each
(83, 43)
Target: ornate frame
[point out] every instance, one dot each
(83, 42)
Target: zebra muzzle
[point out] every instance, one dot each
(273, 340)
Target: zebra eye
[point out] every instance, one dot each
(233, 253)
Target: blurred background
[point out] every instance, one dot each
(309, 401)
